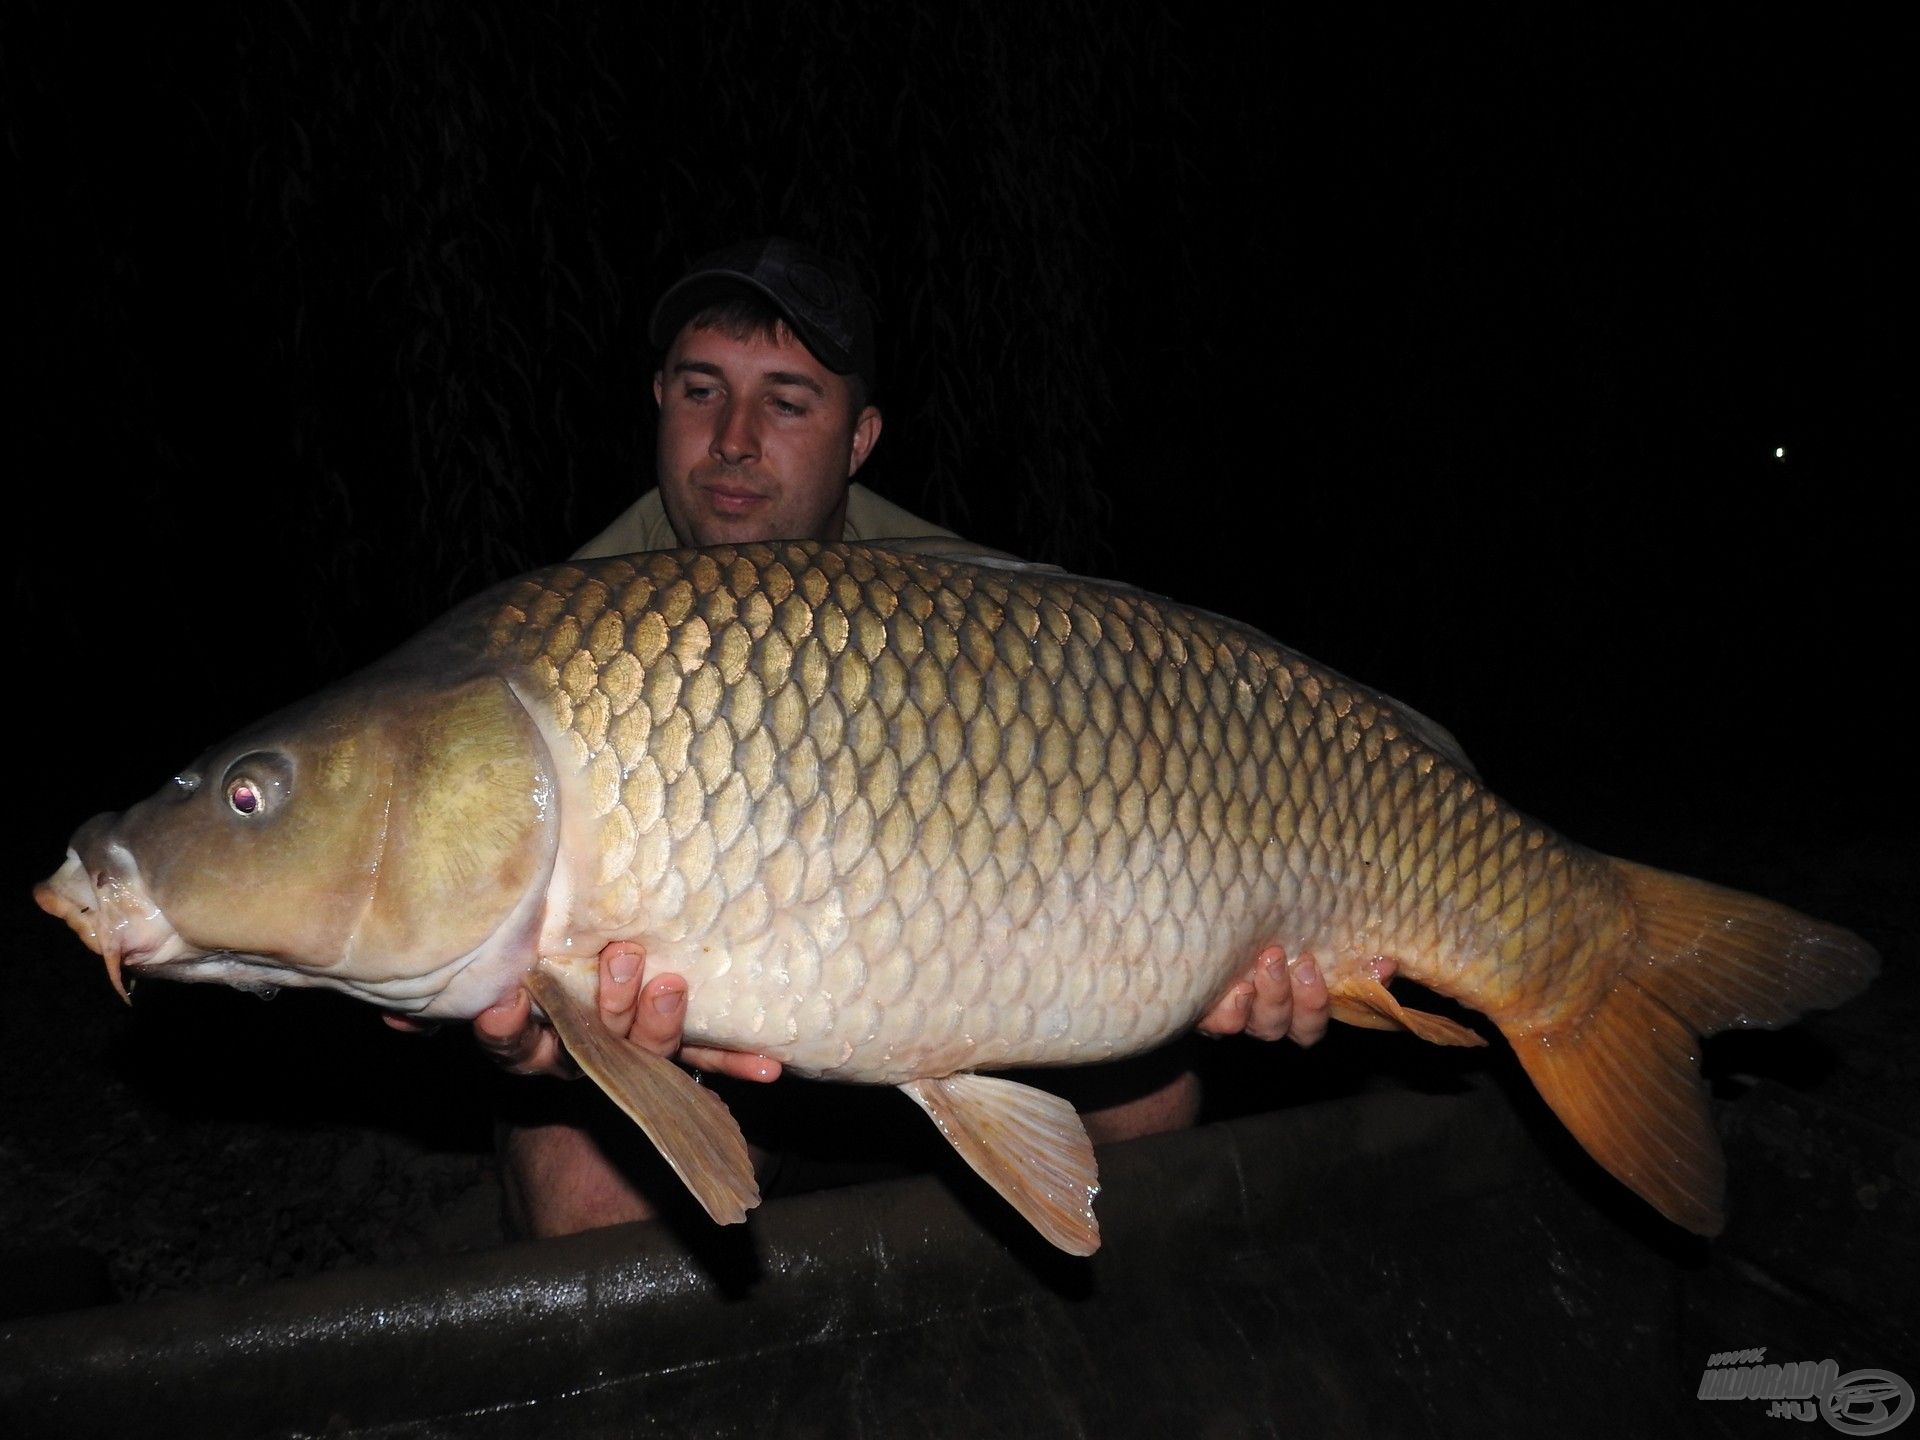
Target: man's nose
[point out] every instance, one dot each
(735, 437)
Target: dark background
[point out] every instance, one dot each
(1533, 366)
(1456, 354)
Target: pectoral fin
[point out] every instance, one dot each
(1027, 1144)
(1365, 1002)
(690, 1126)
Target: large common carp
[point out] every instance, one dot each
(902, 818)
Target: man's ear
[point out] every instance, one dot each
(659, 388)
(866, 435)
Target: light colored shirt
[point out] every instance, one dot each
(643, 525)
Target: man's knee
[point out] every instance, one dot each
(1173, 1106)
(558, 1181)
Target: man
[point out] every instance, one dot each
(766, 393)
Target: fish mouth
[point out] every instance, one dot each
(105, 904)
(56, 896)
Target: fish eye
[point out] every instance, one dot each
(257, 784)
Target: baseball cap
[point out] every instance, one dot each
(819, 297)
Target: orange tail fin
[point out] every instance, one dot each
(1625, 1078)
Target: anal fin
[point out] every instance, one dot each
(1349, 1011)
(691, 1127)
(1027, 1144)
(1364, 1001)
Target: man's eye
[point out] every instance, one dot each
(699, 392)
(788, 407)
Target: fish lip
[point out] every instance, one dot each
(92, 898)
(82, 919)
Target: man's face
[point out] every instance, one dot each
(758, 439)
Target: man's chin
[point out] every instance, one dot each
(722, 520)
(734, 530)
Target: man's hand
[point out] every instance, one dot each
(648, 1013)
(1273, 1001)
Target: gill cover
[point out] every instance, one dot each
(375, 833)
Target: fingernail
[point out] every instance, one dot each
(624, 965)
(668, 1001)
(1274, 965)
(1305, 972)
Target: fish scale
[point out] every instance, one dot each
(899, 816)
(1124, 865)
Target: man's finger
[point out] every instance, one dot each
(1309, 1002)
(1229, 1013)
(509, 1033)
(660, 1014)
(736, 1063)
(1271, 1017)
(621, 965)
(541, 1053)
(501, 1027)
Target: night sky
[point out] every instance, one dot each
(1532, 369)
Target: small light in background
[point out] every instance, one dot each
(1780, 453)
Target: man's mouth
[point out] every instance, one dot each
(732, 499)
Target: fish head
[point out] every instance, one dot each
(368, 839)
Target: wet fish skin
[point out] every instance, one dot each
(899, 818)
